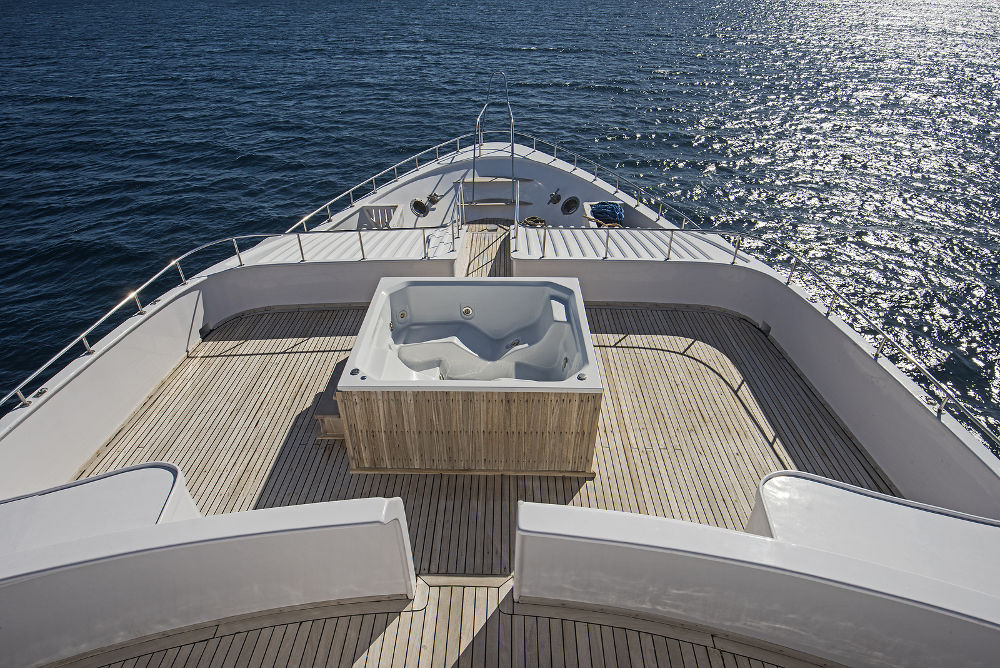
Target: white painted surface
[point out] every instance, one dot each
(128, 498)
(490, 334)
(930, 460)
(108, 589)
(93, 394)
(396, 244)
(815, 512)
(243, 289)
(619, 244)
(825, 604)
(45, 444)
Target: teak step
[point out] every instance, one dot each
(327, 414)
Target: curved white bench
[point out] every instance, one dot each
(64, 599)
(128, 498)
(816, 512)
(814, 601)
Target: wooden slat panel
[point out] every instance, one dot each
(497, 432)
(698, 406)
(486, 252)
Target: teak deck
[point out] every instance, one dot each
(698, 406)
(469, 624)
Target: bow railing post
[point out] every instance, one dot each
(791, 272)
(236, 247)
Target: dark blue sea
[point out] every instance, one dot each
(865, 135)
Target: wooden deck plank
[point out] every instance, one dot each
(486, 252)
(698, 406)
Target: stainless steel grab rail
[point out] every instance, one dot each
(371, 186)
(479, 139)
(947, 397)
(133, 296)
(735, 239)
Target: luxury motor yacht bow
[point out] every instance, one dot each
(494, 405)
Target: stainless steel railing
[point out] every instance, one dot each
(641, 196)
(479, 139)
(837, 300)
(371, 185)
(175, 265)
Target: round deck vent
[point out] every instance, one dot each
(570, 205)
(419, 207)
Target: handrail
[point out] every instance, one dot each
(133, 296)
(371, 183)
(479, 139)
(838, 299)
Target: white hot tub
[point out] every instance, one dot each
(486, 375)
(476, 334)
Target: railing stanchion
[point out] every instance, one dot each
(181, 272)
(24, 402)
(437, 153)
(239, 256)
(881, 345)
(944, 402)
(574, 162)
(670, 246)
(361, 242)
(374, 187)
(416, 159)
(555, 151)
(135, 296)
(86, 345)
(534, 144)
(395, 173)
(607, 241)
(545, 238)
(736, 249)
(831, 306)
(302, 251)
(617, 183)
(351, 195)
(791, 272)
(458, 144)
(659, 213)
(328, 216)
(427, 242)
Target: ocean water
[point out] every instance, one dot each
(863, 134)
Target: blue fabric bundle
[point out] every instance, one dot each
(608, 213)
